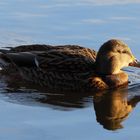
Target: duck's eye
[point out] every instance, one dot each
(118, 51)
(124, 52)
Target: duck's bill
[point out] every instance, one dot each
(135, 63)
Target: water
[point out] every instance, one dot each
(28, 114)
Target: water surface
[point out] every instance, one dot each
(30, 114)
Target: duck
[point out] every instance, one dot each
(70, 67)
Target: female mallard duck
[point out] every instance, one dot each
(71, 68)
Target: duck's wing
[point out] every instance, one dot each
(59, 58)
(66, 60)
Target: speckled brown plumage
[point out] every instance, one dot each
(68, 58)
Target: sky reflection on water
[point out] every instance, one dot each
(88, 23)
(84, 22)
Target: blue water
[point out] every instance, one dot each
(28, 114)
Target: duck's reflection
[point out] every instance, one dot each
(111, 107)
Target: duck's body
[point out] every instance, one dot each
(66, 67)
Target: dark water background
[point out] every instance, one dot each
(30, 114)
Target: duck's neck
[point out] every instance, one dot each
(116, 80)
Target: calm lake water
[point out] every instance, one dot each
(30, 114)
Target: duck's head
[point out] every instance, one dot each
(113, 56)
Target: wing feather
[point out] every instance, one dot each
(67, 58)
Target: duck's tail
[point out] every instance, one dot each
(4, 51)
(4, 60)
(20, 59)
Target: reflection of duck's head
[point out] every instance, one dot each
(112, 109)
(112, 56)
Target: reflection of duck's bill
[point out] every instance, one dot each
(135, 63)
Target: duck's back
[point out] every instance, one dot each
(67, 58)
